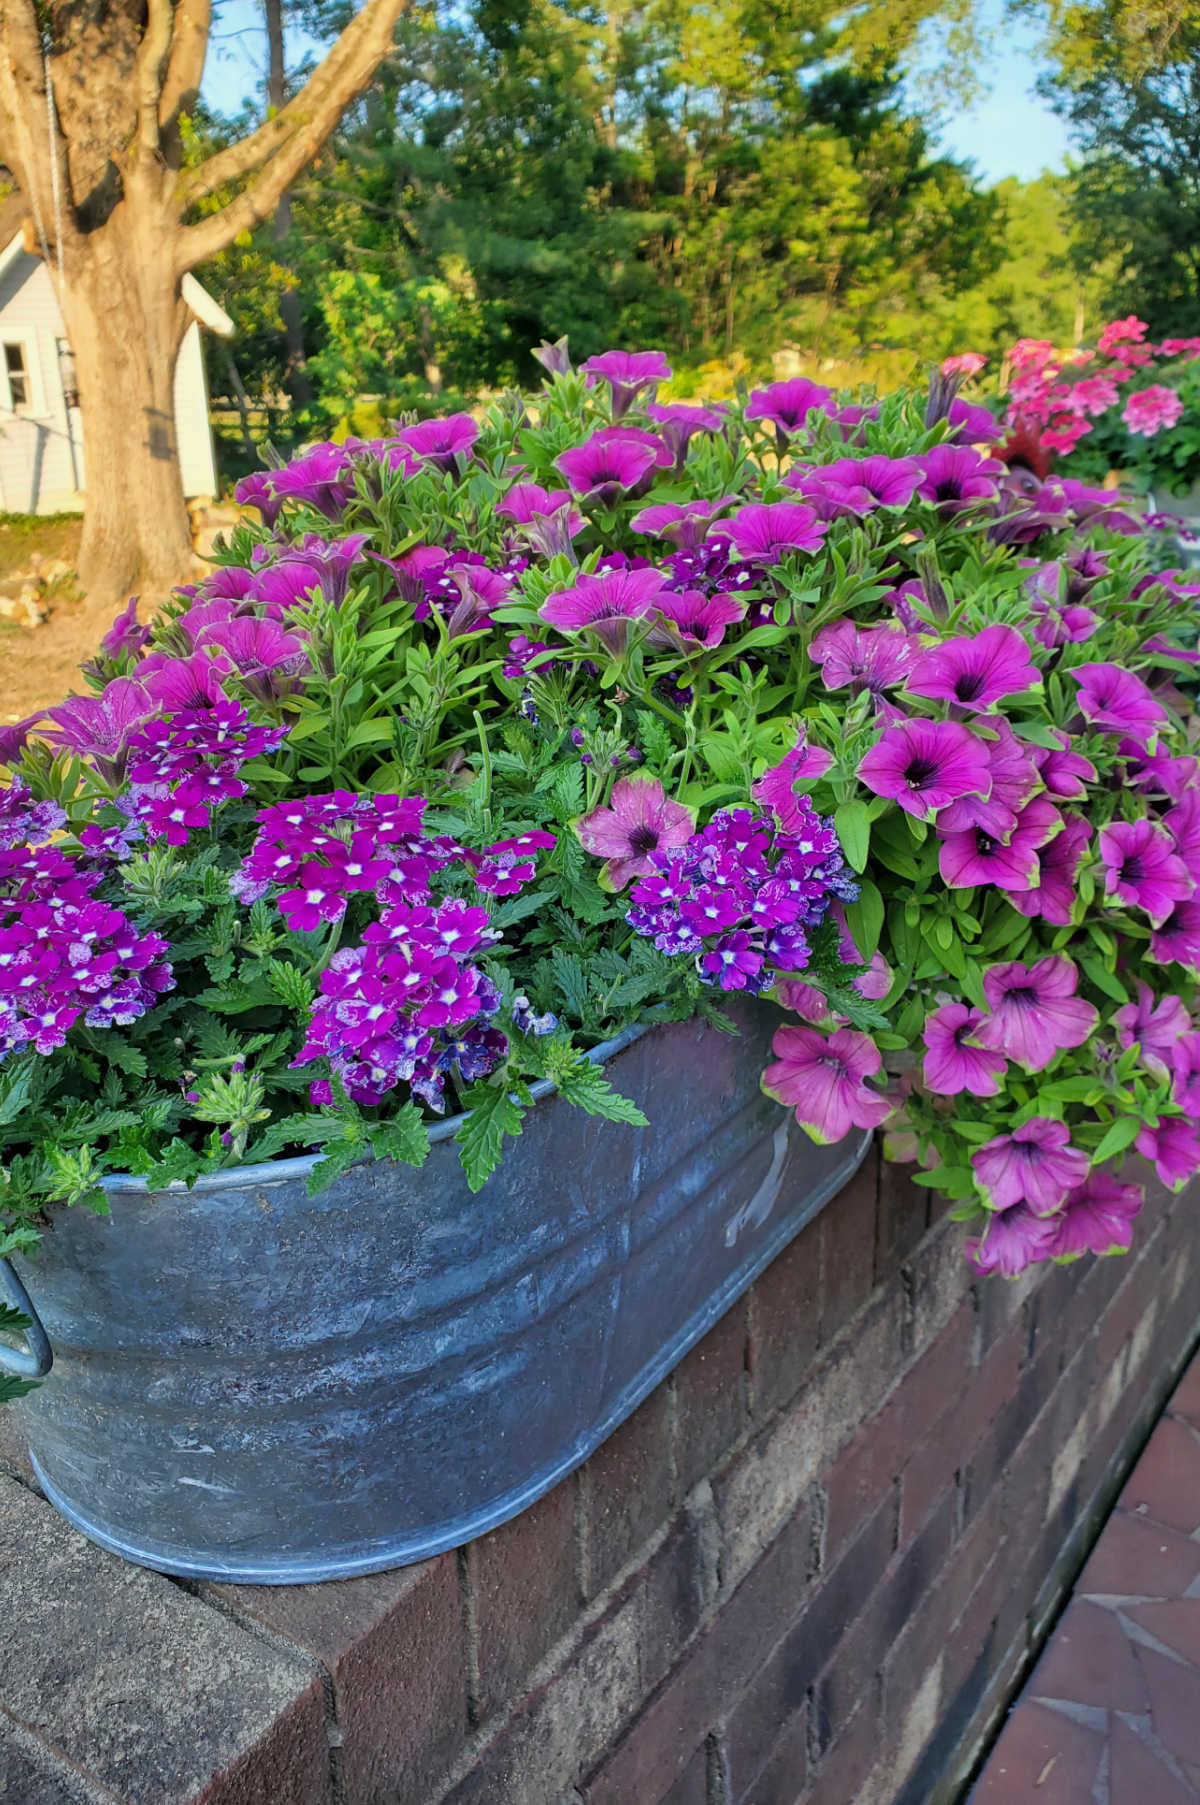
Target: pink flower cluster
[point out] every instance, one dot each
(1047, 396)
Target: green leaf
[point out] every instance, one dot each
(516, 908)
(865, 919)
(404, 1138)
(586, 1086)
(853, 824)
(1121, 1134)
(480, 1140)
(293, 987)
(1104, 980)
(572, 981)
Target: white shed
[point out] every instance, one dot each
(41, 437)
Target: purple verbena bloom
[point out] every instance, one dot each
(954, 477)
(1155, 1025)
(1114, 699)
(1034, 1013)
(639, 820)
(1035, 1165)
(765, 532)
(824, 1079)
(1142, 869)
(441, 442)
(954, 1060)
(1097, 1217)
(605, 604)
(628, 374)
(975, 672)
(924, 765)
(1013, 1240)
(870, 658)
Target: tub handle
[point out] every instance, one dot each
(35, 1359)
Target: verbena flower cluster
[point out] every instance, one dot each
(489, 738)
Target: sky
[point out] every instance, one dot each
(1007, 131)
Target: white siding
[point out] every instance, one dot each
(39, 464)
(41, 456)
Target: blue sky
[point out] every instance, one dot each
(1007, 131)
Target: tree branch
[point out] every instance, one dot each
(321, 101)
(23, 115)
(152, 56)
(189, 49)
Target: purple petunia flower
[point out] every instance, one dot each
(685, 523)
(679, 422)
(628, 374)
(975, 672)
(1012, 1241)
(99, 728)
(1034, 1012)
(639, 821)
(267, 660)
(923, 765)
(1035, 1165)
(1178, 939)
(549, 517)
(1097, 1217)
(776, 788)
(973, 856)
(1053, 894)
(1113, 698)
(255, 491)
(954, 1060)
(441, 442)
(1014, 779)
(612, 463)
(321, 478)
(1141, 868)
(954, 477)
(1185, 1075)
(971, 425)
(1066, 774)
(824, 1079)
(1173, 1147)
(788, 404)
(1154, 1025)
(126, 637)
(691, 618)
(858, 485)
(605, 604)
(870, 658)
(765, 532)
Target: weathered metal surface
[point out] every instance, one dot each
(250, 1384)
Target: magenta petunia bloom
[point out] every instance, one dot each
(1159, 774)
(1174, 1149)
(527, 502)
(1113, 698)
(1142, 869)
(973, 856)
(1154, 1025)
(765, 532)
(1014, 779)
(126, 636)
(99, 728)
(614, 462)
(975, 672)
(1053, 893)
(689, 618)
(605, 604)
(679, 421)
(970, 424)
(1183, 824)
(1035, 1165)
(320, 477)
(441, 442)
(685, 523)
(1096, 1218)
(1177, 941)
(776, 789)
(254, 491)
(1066, 774)
(854, 657)
(268, 660)
(878, 482)
(1185, 1075)
(628, 374)
(923, 765)
(788, 404)
(954, 477)
(639, 821)
(1012, 1241)
(1034, 1012)
(954, 1060)
(824, 1079)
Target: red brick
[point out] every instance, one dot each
(392, 1644)
(782, 1779)
(1173, 1692)
(901, 1218)
(1088, 1661)
(862, 1476)
(691, 1788)
(785, 1321)
(627, 1490)
(524, 1593)
(1166, 1482)
(711, 1399)
(849, 1760)
(1137, 1774)
(847, 1230)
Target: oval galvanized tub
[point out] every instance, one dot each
(250, 1384)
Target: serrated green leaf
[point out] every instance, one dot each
(480, 1140)
(586, 1086)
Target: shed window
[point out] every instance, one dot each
(17, 371)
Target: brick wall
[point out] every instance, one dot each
(806, 1572)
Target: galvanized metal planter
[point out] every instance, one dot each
(250, 1384)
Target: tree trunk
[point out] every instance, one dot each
(125, 322)
(290, 312)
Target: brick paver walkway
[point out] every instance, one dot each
(1111, 1713)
